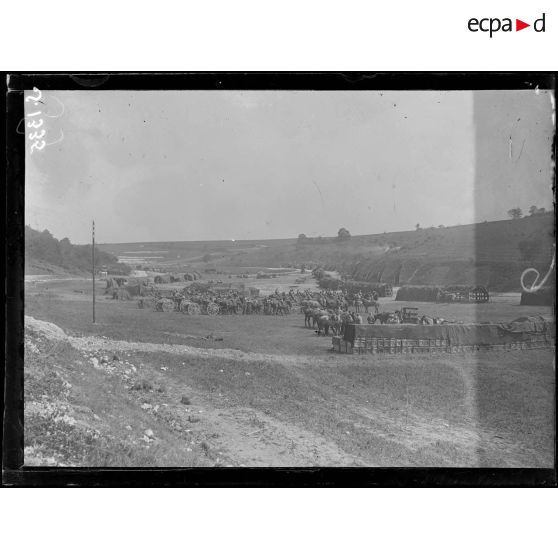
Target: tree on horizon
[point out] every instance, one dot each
(343, 234)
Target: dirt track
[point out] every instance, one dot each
(92, 343)
(246, 436)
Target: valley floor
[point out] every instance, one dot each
(142, 388)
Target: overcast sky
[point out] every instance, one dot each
(151, 166)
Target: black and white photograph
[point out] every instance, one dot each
(289, 278)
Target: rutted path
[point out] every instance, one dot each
(241, 436)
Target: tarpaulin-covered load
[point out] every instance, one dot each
(352, 287)
(543, 297)
(197, 288)
(121, 294)
(144, 281)
(533, 324)
(135, 287)
(113, 282)
(136, 290)
(523, 333)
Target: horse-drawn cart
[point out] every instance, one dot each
(164, 305)
(209, 308)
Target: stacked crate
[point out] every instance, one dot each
(340, 345)
(381, 345)
(384, 345)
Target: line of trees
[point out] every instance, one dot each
(534, 211)
(343, 234)
(62, 253)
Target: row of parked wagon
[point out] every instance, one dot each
(455, 293)
(176, 304)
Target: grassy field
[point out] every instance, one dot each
(265, 391)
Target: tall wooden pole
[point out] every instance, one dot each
(93, 266)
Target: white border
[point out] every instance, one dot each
(290, 35)
(279, 523)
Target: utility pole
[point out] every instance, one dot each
(93, 265)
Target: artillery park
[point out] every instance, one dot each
(141, 387)
(272, 277)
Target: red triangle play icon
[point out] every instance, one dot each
(519, 25)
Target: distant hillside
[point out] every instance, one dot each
(492, 254)
(44, 254)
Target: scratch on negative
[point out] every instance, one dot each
(521, 150)
(320, 192)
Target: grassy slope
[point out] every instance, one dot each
(487, 253)
(77, 414)
(306, 406)
(35, 266)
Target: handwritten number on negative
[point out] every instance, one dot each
(31, 98)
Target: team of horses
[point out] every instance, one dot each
(324, 310)
(323, 318)
(236, 303)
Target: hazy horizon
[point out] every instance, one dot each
(325, 237)
(264, 165)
